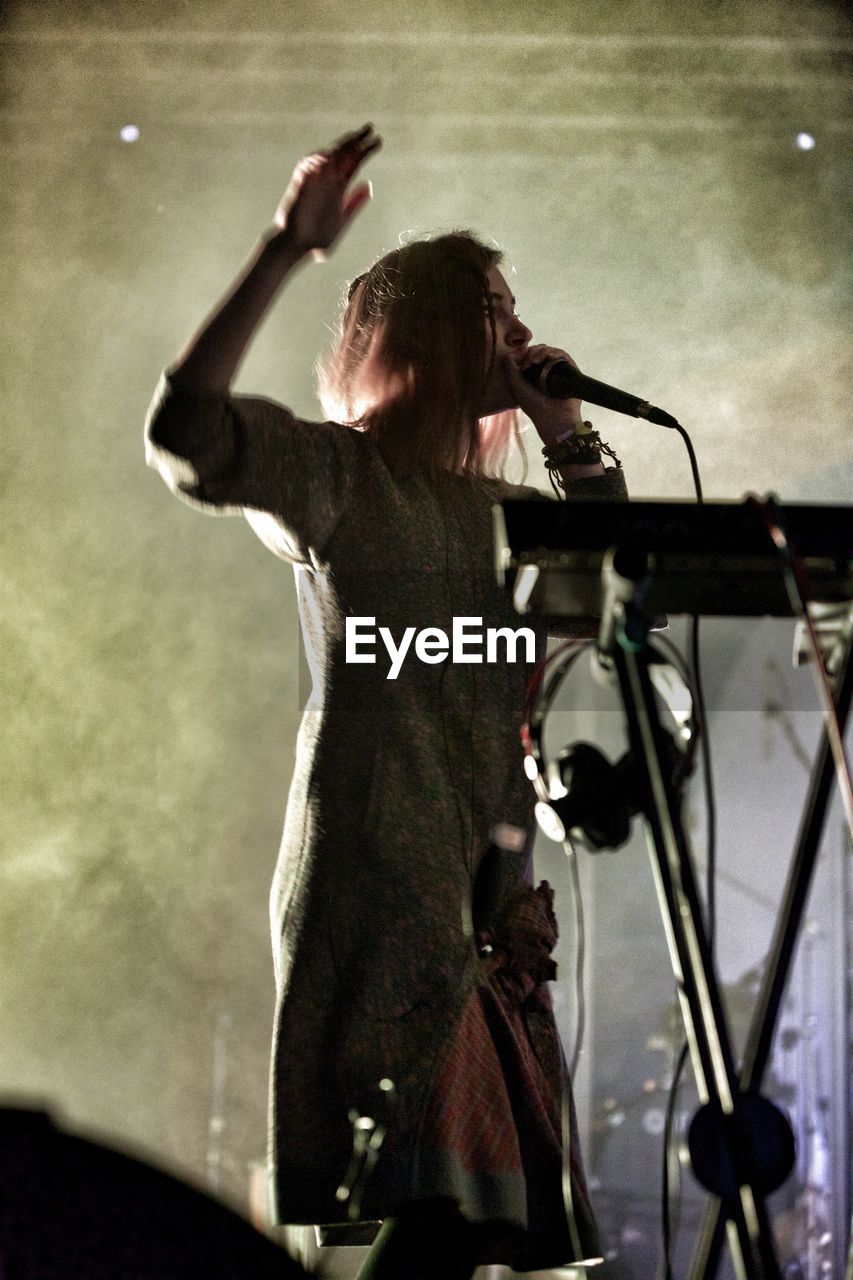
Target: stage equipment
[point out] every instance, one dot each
(712, 559)
(625, 563)
(581, 794)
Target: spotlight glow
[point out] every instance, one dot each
(129, 133)
(806, 142)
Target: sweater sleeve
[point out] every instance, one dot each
(243, 455)
(609, 488)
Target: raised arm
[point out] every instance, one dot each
(313, 212)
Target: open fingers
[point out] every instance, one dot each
(350, 139)
(351, 150)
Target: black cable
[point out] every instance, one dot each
(707, 775)
(541, 691)
(708, 787)
(580, 958)
(667, 1163)
(694, 465)
(710, 880)
(566, 1130)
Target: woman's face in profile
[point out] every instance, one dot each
(512, 339)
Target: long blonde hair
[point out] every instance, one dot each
(411, 363)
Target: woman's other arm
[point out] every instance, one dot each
(313, 212)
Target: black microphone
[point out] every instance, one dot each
(560, 380)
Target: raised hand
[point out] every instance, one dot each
(317, 205)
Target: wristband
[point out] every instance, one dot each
(582, 450)
(582, 429)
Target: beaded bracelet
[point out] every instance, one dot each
(583, 450)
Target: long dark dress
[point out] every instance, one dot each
(396, 785)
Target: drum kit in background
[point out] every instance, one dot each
(629, 1132)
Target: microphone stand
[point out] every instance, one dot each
(741, 1146)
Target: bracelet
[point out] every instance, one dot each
(583, 429)
(587, 457)
(584, 450)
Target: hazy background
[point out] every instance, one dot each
(639, 164)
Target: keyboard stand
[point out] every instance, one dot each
(741, 1146)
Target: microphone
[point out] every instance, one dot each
(560, 380)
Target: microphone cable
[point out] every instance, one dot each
(698, 695)
(580, 957)
(670, 1181)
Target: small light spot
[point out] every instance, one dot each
(129, 133)
(806, 142)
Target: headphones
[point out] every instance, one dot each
(581, 795)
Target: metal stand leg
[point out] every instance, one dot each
(727, 1135)
(706, 1258)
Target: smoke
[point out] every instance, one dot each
(637, 163)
